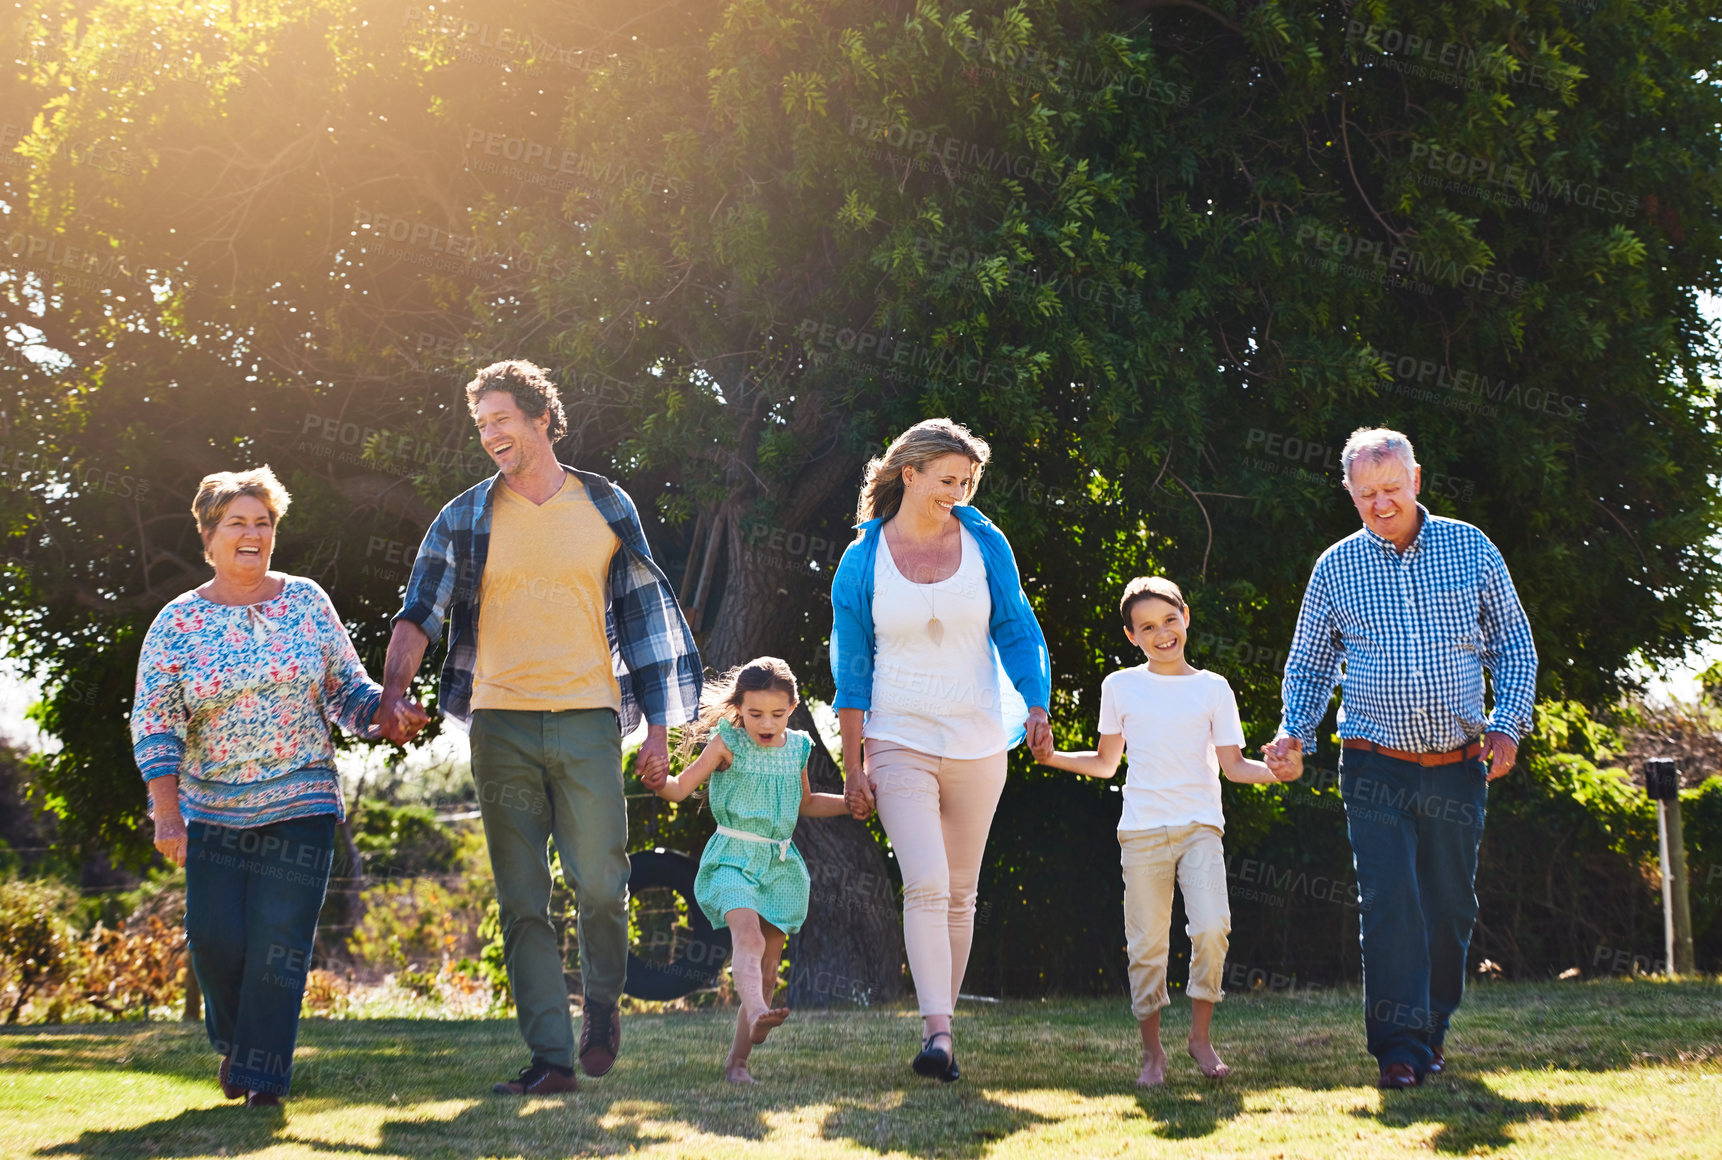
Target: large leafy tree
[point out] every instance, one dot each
(1165, 256)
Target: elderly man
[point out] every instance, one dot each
(1417, 607)
(562, 633)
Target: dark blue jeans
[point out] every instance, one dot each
(251, 903)
(1414, 832)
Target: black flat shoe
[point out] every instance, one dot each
(936, 1062)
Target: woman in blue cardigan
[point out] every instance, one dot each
(941, 669)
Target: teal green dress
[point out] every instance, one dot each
(760, 793)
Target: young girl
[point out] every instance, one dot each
(1181, 727)
(752, 878)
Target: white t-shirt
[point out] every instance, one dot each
(1171, 726)
(943, 698)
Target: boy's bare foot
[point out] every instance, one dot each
(1153, 1071)
(735, 1071)
(763, 1025)
(1208, 1059)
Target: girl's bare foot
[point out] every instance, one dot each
(735, 1071)
(749, 1017)
(764, 1024)
(1153, 1070)
(1208, 1059)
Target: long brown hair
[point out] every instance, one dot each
(722, 697)
(882, 488)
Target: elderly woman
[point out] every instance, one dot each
(237, 687)
(939, 664)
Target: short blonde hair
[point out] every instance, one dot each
(217, 492)
(930, 439)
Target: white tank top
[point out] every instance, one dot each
(943, 698)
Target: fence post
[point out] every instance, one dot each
(1662, 785)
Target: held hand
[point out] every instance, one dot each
(170, 836)
(389, 718)
(410, 717)
(1500, 751)
(1039, 734)
(858, 792)
(1284, 758)
(653, 764)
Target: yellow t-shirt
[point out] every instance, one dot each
(541, 603)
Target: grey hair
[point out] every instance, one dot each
(1376, 444)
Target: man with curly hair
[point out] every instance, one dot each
(563, 634)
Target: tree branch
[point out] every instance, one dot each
(1345, 139)
(1205, 520)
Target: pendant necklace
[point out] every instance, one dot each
(935, 627)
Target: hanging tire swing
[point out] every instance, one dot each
(702, 956)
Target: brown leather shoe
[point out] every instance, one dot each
(228, 1089)
(537, 1079)
(262, 1100)
(600, 1036)
(1399, 1075)
(1438, 1064)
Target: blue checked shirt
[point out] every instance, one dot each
(1415, 632)
(652, 651)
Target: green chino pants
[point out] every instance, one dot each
(543, 775)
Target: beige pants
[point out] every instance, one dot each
(1152, 859)
(936, 811)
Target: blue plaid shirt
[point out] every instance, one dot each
(652, 651)
(1415, 631)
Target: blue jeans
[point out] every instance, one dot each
(1414, 833)
(251, 903)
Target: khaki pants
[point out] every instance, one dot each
(543, 775)
(936, 811)
(1152, 859)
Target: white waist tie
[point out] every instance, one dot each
(782, 847)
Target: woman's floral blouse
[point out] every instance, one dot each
(238, 701)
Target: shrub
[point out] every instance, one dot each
(136, 966)
(402, 841)
(413, 921)
(38, 945)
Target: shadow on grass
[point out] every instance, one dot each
(875, 1105)
(1471, 1114)
(1189, 1114)
(234, 1128)
(967, 1124)
(536, 1128)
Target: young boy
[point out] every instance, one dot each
(1181, 727)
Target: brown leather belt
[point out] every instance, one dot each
(1475, 749)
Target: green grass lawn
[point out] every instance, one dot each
(1561, 1069)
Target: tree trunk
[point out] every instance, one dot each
(775, 600)
(851, 949)
(193, 995)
